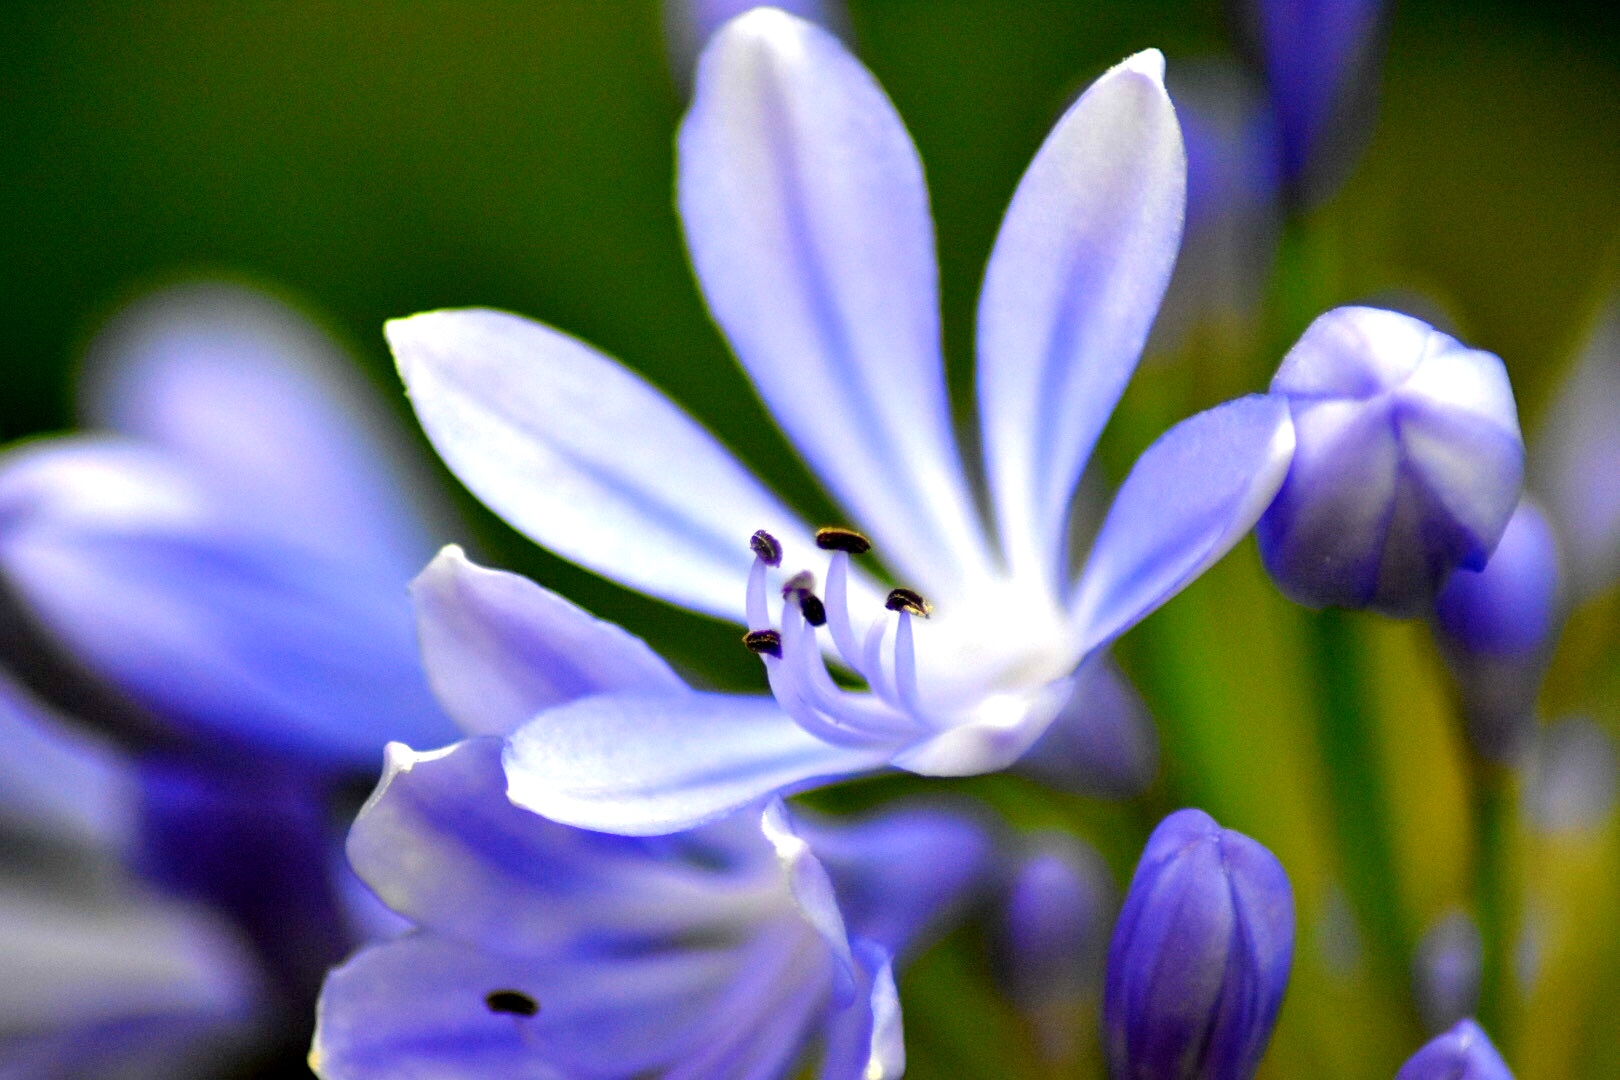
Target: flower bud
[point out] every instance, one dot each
(1200, 955)
(1495, 628)
(1051, 936)
(1462, 1053)
(1408, 463)
(1446, 971)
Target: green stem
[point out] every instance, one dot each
(1492, 797)
(1349, 746)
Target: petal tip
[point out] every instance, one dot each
(1148, 63)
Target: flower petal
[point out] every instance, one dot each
(499, 649)
(1101, 743)
(1073, 284)
(1191, 496)
(586, 458)
(865, 1040)
(648, 764)
(235, 636)
(808, 225)
(440, 843)
(236, 383)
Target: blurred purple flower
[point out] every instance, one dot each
(546, 951)
(1200, 955)
(1570, 777)
(1462, 1053)
(808, 224)
(1446, 971)
(1409, 463)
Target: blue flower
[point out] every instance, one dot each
(541, 950)
(1200, 955)
(1462, 1053)
(807, 222)
(1409, 463)
(229, 552)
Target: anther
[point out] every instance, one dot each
(802, 582)
(815, 612)
(511, 1002)
(837, 539)
(909, 601)
(763, 642)
(767, 547)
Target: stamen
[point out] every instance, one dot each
(511, 1002)
(803, 581)
(758, 612)
(837, 610)
(909, 601)
(815, 612)
(834, 538)
(905, 664)
(767, 547)
(763, 643)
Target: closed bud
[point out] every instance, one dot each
(1408, 463)
(1462, 1053)
(1446, 971)
(1200, 955)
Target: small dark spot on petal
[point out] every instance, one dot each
(511, 1003)
(837, 539)
(910, 601)
(763, 642)
(767, 547)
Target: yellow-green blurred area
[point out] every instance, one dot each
(377, 159)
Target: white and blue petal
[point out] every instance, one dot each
(586, 458)
(1190, 497)
(808, 224)
(644, 764)
(499, 649)
(1081, 263)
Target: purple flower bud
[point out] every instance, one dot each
(1510, 607)
(1200, 955)
(1463, 1053)
(1051, 937)
(1408, 463)
(1446, 971)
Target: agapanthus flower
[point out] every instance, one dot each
(216, 580)
(541, 950)
(808, 225)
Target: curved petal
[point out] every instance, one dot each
(499, 649)
(241, 638)
(237, 383)
(644, 765)
(1073, 284)
(902, 874)
(440, 843)
(865, 1040)
(587, 459)
(1191, 496)
(808, 225)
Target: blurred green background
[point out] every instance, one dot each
(376, 159)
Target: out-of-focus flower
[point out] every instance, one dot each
(1409, 463)
(1570, 777)
(1446, 971)
(217, 580)
(1462, 1053)
(1051, 937)
(1200, 955)
(808, 225)
(229, 551)
(1102, 742)
(1320, 62)
(547, 951)
(1575, 463)
(104, 976)
(1496, 628)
